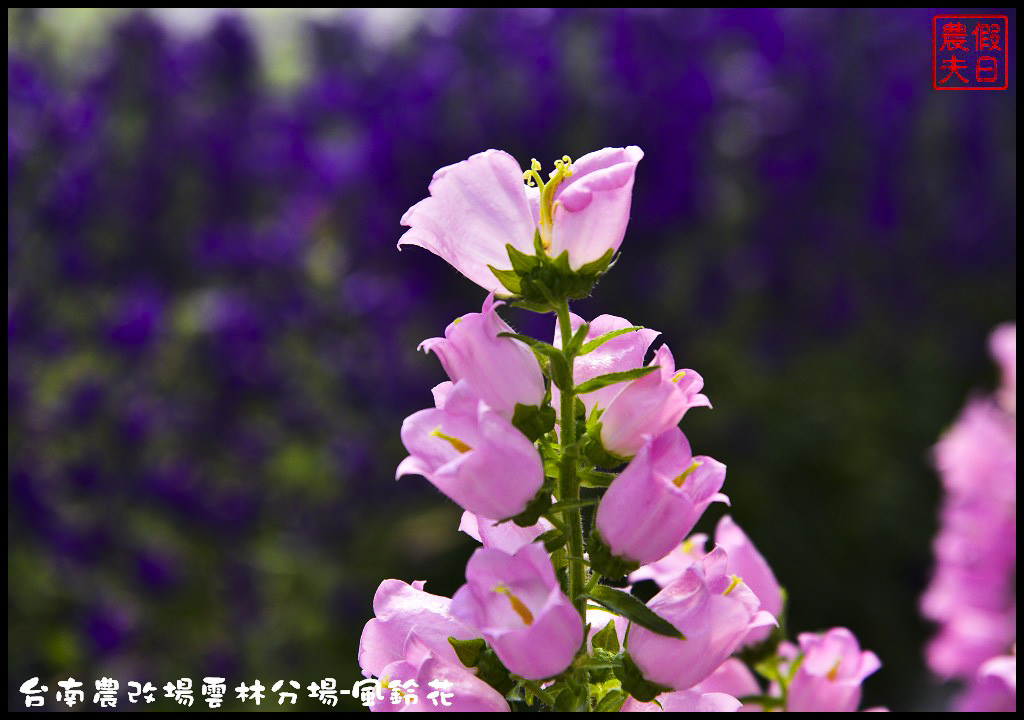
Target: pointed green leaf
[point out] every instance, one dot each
(602, 381)
(630, 607)
(553, 539)
(607, 639)
(596, 478)
(599, 266)
(602, 339)
(577, 340)
(468, 651)
(574, 504)
(612, 701)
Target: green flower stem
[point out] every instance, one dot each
(569, 484)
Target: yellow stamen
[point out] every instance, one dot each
(455, 442)
(688, 546)
(518, 605)
(563, 169)
(833, 674)
(678, 376)
(686, 473)
(736, 580)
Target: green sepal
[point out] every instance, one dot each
(475, 654)
(533, 421)
(604, 562)
(602, 381)
(602, 339)
(534, 509)
(595, 451)
(570, 699)
(630, 607)
(612, 701)
(508, 278)
(607, 639)
(522, 264)
(635, 684)
(553, 539)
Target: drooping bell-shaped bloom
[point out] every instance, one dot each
(517, 604)
(693, 700)
(503, 371)
(479, 206)
(650, 405)
(472, 454)
(658, 498)
(746, 562)
(712, 609)
(619, 354)
(507, 536)
(401, 609)
(422, 681)
(829, 677)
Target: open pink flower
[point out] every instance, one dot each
(517, 603)
(650, 405)
(478, 206)
(625, 352)
(830, 675)
(749, 564)
(472, 454)
(423, 681)
(712, 609)
(503, 371)
(658, 498)
(401, 609)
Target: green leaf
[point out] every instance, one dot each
(508, 278)
(602, 339)
(607, 639)
(468, 651)
(568, 700)
(635, 684)
(560, 372)
(564, 505)
(553, 539)
(533, 421)
(612, 701)
(596, 479)
(630, 607)
(611, 378)
(576, 342)
(539, 345)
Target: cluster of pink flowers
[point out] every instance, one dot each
(972, 594)
(520, 427)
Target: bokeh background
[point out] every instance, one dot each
(212, 337)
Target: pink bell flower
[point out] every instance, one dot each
(422, 681)
(650, 405)
(713, 611)
(503, 371)
(522, 612)
(693, 700)
(472, 454)
(401, 609)
(830, 675)
(746, 562)
(479, 206)
(652, 505)
(625, 352)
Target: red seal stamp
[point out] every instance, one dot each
(970, 52)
